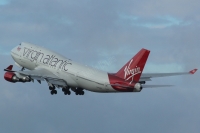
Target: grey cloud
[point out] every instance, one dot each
(155, 22)
(163, 7)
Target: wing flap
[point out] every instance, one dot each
(56, 81)
(44, 75)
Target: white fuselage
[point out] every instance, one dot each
(76, 75)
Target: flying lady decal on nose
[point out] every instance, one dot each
(19, 48)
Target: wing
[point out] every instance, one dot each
(148, 76)
(44, 75)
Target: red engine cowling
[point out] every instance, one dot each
(11, 77)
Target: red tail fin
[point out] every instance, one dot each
(133, 69)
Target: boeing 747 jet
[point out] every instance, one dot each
(60, 72)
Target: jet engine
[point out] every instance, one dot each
(25, 79)
(12, 77)
(137, 87)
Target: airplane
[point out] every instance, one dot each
(60, 72)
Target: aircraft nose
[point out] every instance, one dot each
(14, 51)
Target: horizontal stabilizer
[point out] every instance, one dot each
(156, 86)
(146, 76)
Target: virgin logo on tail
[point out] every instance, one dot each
(130, 73)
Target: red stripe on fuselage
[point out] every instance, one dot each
(114, 80)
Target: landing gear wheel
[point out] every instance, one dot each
(82, 93)
(50, 88)
(53, 92)
(67, 92)
(79, 92)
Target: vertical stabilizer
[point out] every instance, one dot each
(133, 69)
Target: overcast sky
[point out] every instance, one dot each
(104, 34)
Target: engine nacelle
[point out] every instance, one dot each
(137, 87)
(25, 79)
(11, 77)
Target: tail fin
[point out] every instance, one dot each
(132, 71)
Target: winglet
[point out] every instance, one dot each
(193, 71)
(9, 69)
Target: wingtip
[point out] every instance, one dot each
(193, 71)
(9, 67)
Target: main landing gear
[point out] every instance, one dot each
(66, 91)
(79, 91)
(53, 91)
